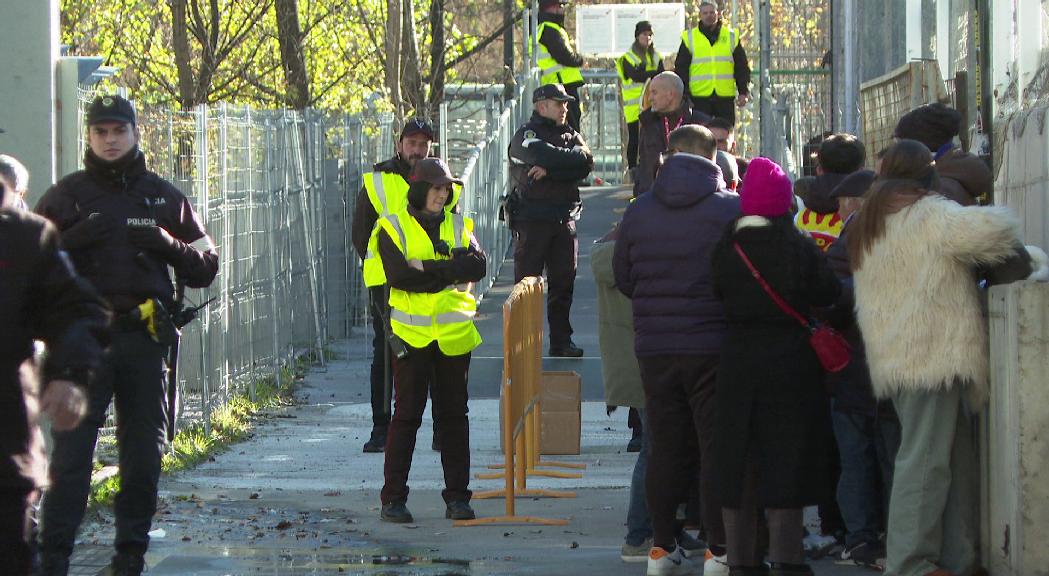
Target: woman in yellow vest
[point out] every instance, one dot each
(636, 67)
(430, 258)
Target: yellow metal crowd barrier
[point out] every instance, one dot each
(520, 406)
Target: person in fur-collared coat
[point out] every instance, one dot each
(913, 253)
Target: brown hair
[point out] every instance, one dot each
(907, 174)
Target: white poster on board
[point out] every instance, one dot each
(626, 19)
(607, 30)
(594, 31)
(668, 22)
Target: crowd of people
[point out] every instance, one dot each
(710, 288)
(725, 285)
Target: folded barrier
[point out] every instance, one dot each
(521, 418)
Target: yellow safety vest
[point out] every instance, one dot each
(419, 318)
(824, 228)
(712, 68)
(633, 91)
(550, 71)
(388, 193)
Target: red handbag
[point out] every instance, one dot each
(831, 348)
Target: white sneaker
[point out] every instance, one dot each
(819, 545)
(715, 565)
(663, 563)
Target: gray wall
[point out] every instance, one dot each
(29, 45)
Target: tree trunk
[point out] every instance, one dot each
(437, 67)
(393, 56)
(413, 84)
(180, 38)
(293, 61)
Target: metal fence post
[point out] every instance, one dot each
(201, 160)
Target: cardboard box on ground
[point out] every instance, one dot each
(561, 397)
(561, 418)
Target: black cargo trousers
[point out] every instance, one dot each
(134, 375)
(381, 363)
(550, 245)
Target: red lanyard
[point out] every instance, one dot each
(667, 129)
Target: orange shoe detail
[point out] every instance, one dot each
(656, 553)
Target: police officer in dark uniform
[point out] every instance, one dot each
(385, 191)
(42, 298)
(123, 226)
(548, 158)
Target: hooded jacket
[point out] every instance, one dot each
(662, 258)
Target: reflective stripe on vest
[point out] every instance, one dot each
(633, 91)
(550, 71)
(421, 318)
(388, 193)
(712, 68)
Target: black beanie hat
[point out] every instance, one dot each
(932, 124)
(642, 27)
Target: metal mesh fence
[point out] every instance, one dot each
(276, 191)
(883, 100)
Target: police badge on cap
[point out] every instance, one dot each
(110, 108)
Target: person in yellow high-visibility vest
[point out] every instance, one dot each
(431, 258)
(384, 191)
(636, 66)
(712, 63)
(559, 63)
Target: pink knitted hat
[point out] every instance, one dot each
(767, 190)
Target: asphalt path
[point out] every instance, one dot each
(602, 206)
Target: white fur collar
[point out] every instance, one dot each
(752, 222)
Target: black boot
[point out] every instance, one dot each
(396, 512)
(54, 564)
(377, 442)
(459, 511)
(127, 564)
(566, 349)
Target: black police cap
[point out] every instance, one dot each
(551, 92)
(110, 108)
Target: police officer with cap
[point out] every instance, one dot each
(123, 227)
(385, 191)
(548, 158)
(41, 298)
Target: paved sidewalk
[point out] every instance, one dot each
(299, 496)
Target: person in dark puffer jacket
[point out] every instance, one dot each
(662, 263)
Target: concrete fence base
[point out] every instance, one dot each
(1016, 449)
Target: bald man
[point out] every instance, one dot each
(668, 109)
